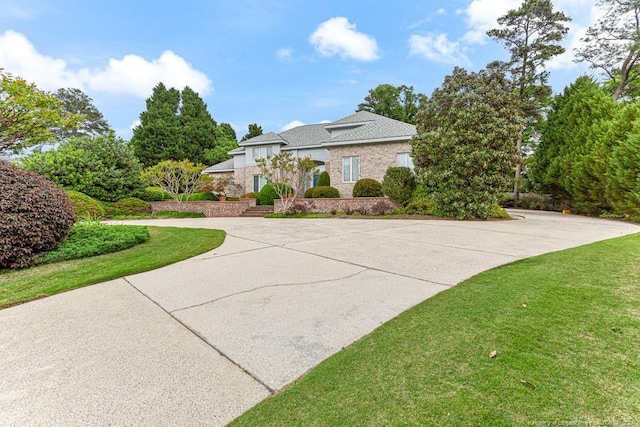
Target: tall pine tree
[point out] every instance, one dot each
(197, 127)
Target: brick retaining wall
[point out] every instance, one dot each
(358, 204)
(208, 208)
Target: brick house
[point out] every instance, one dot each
(362, 145)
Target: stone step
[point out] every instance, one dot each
(257, 211)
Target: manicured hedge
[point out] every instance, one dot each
(367, 187)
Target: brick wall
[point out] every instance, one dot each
(375, 159)
(339, 205)
(208, 208)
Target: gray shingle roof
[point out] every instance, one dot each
(374, 128)
(306, 135)
(264, 138)
(227, 165)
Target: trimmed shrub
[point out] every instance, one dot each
(155, 194)
(35, 216)
(88, 239)
(128, 206)
(268, 194)
(323, 179)
(367, 187)
(309, 193)
(398, 184)
(202, 196)
(325, 192)
(85, 207)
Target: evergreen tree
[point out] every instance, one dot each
(75, 102)
(225, 142)
(254, 130)
(463, 149)
(197, 128)
(158, 136)
(532, 34)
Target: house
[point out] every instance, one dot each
(362, 145)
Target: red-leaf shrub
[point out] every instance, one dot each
(35, 216)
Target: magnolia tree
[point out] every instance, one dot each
(287, 175)
(177, 177)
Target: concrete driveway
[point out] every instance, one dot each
(201, 341)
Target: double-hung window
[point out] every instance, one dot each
(404, 159)
(262, 152)
(258, 182)
(350, 169)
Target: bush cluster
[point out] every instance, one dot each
(322, 192)
(35, 216)
(323, 179)
(156, 194)
(268, 194)
(199, 197)
(88, 239)
(367, 187)
(128, 206)
(85, 207)
(398, 184)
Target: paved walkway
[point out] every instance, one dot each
(201, 341)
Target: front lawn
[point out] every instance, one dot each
(565, 327)
(166, 245)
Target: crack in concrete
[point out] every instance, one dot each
(275, 285)
(203, 339)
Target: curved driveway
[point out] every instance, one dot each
(201, 341)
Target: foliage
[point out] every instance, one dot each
(177, 177)
(268, 194)
(532, 34)
(623, 173)
(398, 103)
(166, 245)
(251, 195)
(286, 174)
(199, 197)
(322, 192)
(128, 206)
(35, 216)
(221, 185)
(463, 148)
(155, 194)
(419, 205)
(367, 187)
(87, 239)
(176, 126)
(28, 116)
(85, 207)
(611, 44)
(324, 180)
(74, 102)
(552, 320)
(253, 131)
(103, 167)
(398, 184)
(576, 141)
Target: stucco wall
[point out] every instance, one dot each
(375, 159)
(209, 209)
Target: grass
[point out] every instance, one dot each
(159, 215)
(166, 245)
(566, 328)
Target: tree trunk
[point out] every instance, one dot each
(516, 183)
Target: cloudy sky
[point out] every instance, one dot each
(272, 62)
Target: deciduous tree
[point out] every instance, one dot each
(28, 116)
(612, 44)
(177, 177)
(395, 102)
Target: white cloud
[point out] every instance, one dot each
(131, 75)
(482, 15)
(437, 48)
(285, 53)
(291, 125)
(337, 36)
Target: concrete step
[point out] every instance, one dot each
(257, 211)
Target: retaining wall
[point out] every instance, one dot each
(208, 208)
(356, 204)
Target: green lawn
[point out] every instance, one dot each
(166, 245)
(566, 328)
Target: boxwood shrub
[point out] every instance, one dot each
(85, 207)
(128, 206)
(398, 184)
(367, 187)
(323, 179)
(268, 194)
(322, 192)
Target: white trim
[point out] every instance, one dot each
(406, 138)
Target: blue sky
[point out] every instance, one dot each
(271, 62)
